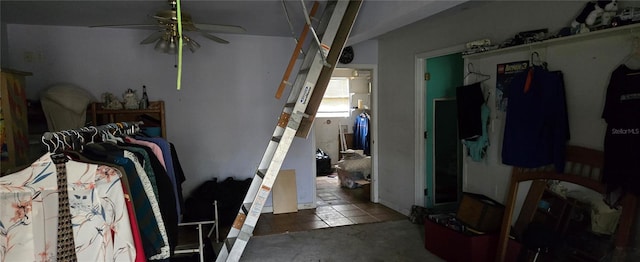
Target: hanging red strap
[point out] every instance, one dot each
(527, 84)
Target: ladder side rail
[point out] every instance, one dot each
(313, 31)
(310, 57)
(323, 80)
(296, 52)
(328, 37)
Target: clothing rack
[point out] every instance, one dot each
(75, 139)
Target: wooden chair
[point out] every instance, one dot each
(583, 167)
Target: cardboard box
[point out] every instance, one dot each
(480, 213)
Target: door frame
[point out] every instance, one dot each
(374, 129)
(420, 126)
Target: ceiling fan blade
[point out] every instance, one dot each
(220, 28)
(152, 38)
(214, 38)
(139, 26)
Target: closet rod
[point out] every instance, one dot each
(76, 136)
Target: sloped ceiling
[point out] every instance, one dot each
(258, 17)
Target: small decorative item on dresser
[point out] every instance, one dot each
(144, 102)
(130, 99)
(110, 101)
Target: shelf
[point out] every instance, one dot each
(155, 112)
(625, 29)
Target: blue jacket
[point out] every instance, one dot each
(536, 127)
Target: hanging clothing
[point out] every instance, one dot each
(536, 126)
(477, 147)
(152, 237)
(29, 210)
(361, 133)
(171, 171)
(622, 139)
(160, 181)
(132, 188)
(469, 99)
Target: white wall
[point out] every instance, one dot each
(497, 21)
(221, 120)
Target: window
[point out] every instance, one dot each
(335, 102)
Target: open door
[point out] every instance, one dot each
(443, 149)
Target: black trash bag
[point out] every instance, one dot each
(321, 154)
(230, 194)
(199, 205)
(323, 163)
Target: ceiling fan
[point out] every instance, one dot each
(166, 38)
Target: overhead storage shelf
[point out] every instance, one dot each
(626, 29)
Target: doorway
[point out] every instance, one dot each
(438, 156)
(335, 134)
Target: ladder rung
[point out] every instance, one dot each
(229, 243)
(276, 139)
(261, 173)
(290, 105)
(246, 207)
(304, 70)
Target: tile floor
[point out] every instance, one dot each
(336, 206)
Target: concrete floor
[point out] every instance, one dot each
(345, 226)
(398, 240)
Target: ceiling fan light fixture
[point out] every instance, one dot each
(191, 44)
(173, 48)
(161, 45)
(166, 39)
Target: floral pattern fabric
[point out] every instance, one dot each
(29, 210)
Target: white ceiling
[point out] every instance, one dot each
(258, 17)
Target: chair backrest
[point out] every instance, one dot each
(584, 162)
(583, 166)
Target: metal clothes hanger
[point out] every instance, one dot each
(533, 61)
(44, 141)
(470, 71)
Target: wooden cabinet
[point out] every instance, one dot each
(14, 133)
(152, 116)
